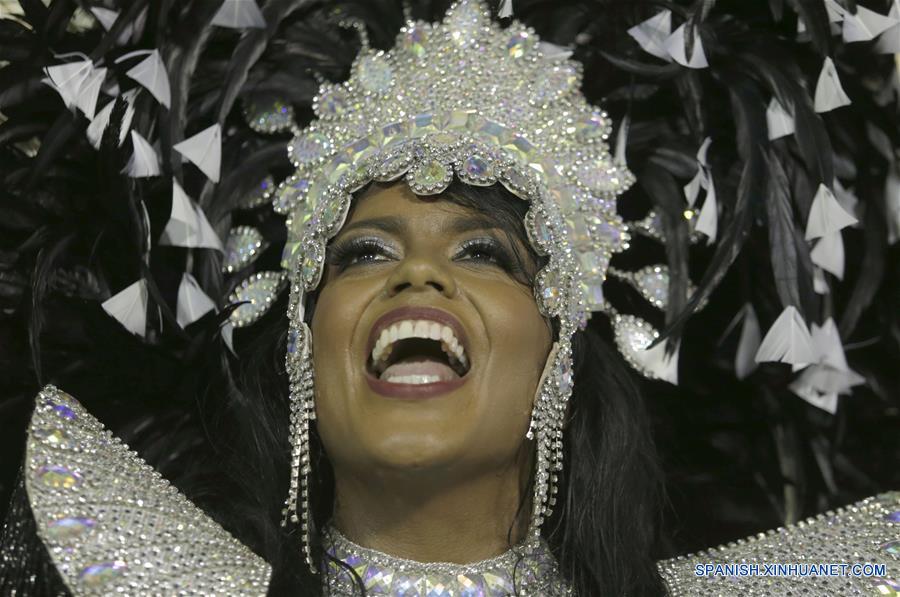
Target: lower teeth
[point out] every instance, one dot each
(413, 379)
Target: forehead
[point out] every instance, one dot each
(397, 200)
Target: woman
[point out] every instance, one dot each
(455, 452)
(453, 427)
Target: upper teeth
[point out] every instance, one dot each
(430, 330)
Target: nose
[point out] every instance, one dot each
(420, 273)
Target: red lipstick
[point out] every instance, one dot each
(412, 391)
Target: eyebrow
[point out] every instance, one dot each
(397, 225)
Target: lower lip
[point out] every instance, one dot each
(412, 391)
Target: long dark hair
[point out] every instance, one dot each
(605, 531)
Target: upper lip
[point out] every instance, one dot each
(417, 313)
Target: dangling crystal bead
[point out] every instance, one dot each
(564, 375)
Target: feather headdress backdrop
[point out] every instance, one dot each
(140, 143)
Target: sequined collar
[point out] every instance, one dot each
(526, 569)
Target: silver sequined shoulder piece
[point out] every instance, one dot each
(113, 525)
(864, 533)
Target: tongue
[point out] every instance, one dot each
(420, 366)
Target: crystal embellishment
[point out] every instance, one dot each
(375, 74)
(98, 575)
(59, 477)
(243, 246)
(601, 176)
(68, 529)
(430, 178)
(415, 39)
(465, 20)
(849, 534)
(891, 547)
(520, 43)
(653, 283)
(595, 127)
(53, 436)
(308, 149)
(331, 102)
(122, 529)
(634, 335)
(259, 291)
(477, 170)
(549, 288)
(633, 338)
(556, 82)
(64, 411)
(383, 574)
(269, 115)
(258, 195)
(521, 122)
(290, 193)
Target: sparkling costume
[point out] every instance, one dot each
(91, 518)
(108, 523)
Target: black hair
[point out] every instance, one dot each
(605, 529)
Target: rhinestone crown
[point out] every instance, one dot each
(516, 117)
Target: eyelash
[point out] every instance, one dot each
(344, 255)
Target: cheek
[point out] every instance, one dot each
(519, 342)
(333, 326)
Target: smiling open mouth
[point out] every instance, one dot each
(417, 353)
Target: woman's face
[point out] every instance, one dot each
(399, 251)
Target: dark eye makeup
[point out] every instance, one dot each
(343, 254)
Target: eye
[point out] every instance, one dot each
(357, 251)
(488, 250)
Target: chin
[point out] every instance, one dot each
(409, 452)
